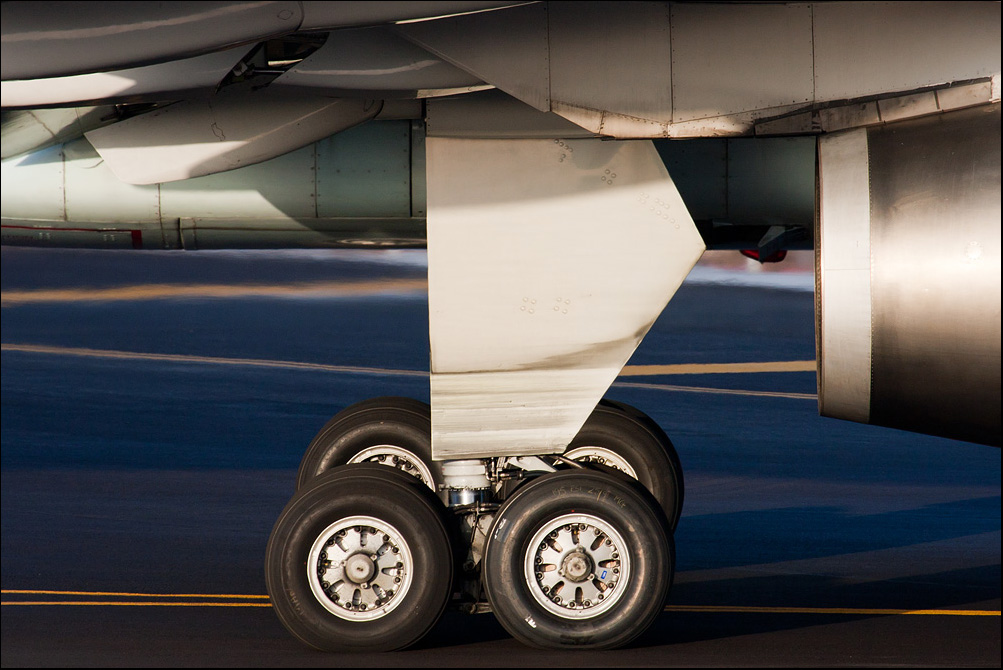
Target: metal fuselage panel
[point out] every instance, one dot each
(924, 286)
(705, 69)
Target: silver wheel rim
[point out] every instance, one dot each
(603, 456)
(577, 566)
(360, 568)
(396, 457)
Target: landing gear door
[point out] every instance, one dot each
(549, 260)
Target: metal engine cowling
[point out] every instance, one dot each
(908, 275)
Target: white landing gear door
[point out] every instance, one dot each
(548, 261)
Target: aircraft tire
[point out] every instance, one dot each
(390, 430)
(624, 438)
(396, 586)
(623, 541)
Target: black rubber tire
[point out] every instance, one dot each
(404, 423)
(382, 493)
(637, 439)
(618, 501)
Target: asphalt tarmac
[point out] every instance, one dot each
(155, 407)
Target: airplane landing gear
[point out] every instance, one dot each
(571, 551)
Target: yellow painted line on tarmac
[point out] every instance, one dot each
(729, 609)
(717, 368)
(241, 600)
(712, 368)
(140, 599)
(717, 391)
(182, 358)
(182, 291)
(629, 371)
(120, 594)
(110, 603)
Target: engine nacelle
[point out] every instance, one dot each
(908, 275)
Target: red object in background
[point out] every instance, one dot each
(775, 257)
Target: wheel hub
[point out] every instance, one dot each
(360, 568)
(575, 564)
